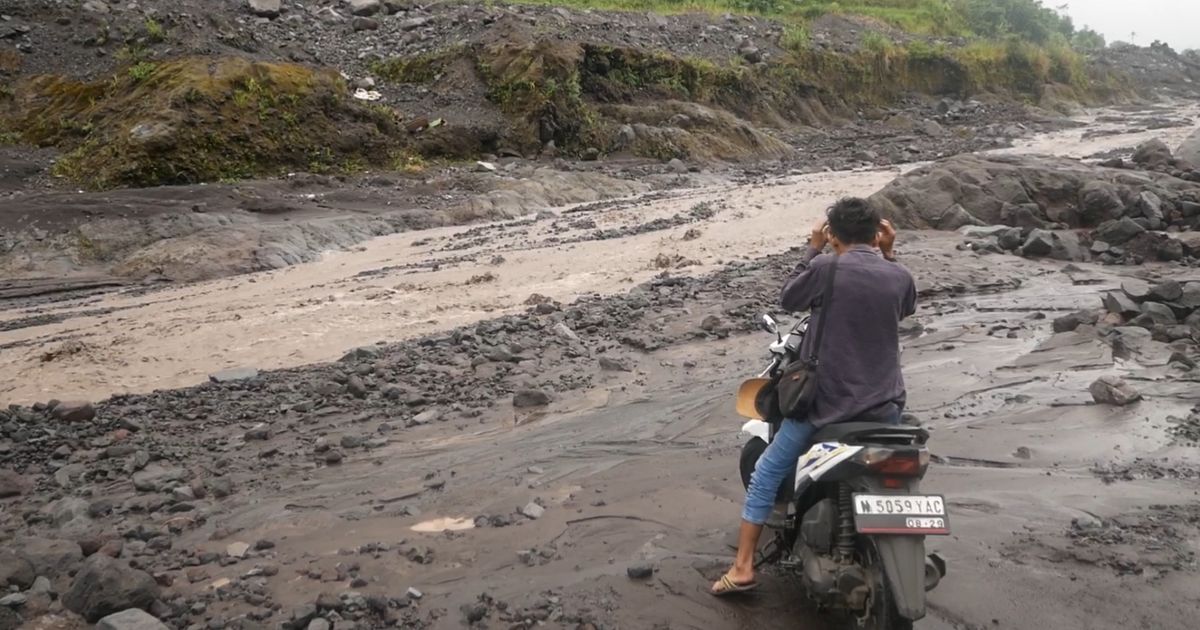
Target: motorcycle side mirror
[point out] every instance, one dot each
(769, 325)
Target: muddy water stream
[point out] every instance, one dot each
(411, 284)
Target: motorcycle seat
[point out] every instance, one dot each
(871, 432)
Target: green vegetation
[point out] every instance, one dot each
(988, 19)
(796, 37)
(141, 70)
(419, 69)
(195, 120)
(155, 31)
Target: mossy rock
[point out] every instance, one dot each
(196, 120)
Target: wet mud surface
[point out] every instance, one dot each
(554, 401)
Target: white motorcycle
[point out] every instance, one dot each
(851, 521)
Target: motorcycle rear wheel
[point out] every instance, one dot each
(881, 612)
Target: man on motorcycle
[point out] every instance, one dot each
(859, 376)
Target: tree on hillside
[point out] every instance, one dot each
(1028, 19)
(1088, 39)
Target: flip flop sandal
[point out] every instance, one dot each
(726, 586)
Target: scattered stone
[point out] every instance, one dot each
(527, 398)
(13, 600)
(360, 354)
(425, 417)
(1155, 313)
(318, 624)
(356, 387)
(15, 571)
(1153, 154)
(609, 364)
(265, 8)
(712, 323)
(11, 484)
(53, 558)
(414, 594)
(533, 510)
(1110, 390)
(105, 586)
(1071, 321)
(1023, 452)
(1169, 250)
(1118, 232)
(365, 7)
(73, 411)
(132, 619)
(1168, 291)
(157, 479)
(1099, 202)
(259, 432)
(360, 23)
(237, 549)
(639, 571)
(564, 331)
(1039, 243)
(1119, 303)
(233, 375)
(220, 487)
(677, 166)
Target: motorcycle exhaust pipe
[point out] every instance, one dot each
(935, 570)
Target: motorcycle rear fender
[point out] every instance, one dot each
(903, 559)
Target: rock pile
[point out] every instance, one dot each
(1057, 207)
(1169, 310)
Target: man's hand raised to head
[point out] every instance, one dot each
(820, 236)
(887, 239)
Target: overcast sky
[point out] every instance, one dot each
(1176, 22)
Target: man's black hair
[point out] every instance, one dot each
(853, 221)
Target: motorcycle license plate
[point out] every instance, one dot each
(901, 514)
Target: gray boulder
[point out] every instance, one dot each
(1100, 201)
(1110, 390)
(1039, 243)
(1150, 206)
(1120, 304)
(1190, 242)
(105, 586)
(1155, 314)
(1118, 232)
(157, 479)
(1189, 296)
(1168, 291)
(1137, 290)
(11, 484)
(265, 8)
(1071, 321)
(1153, 154)
(1189, 150)
(74, 411)
(528, 398)
(132, 619)
(53, 558)
(15, 571)
(365, 7)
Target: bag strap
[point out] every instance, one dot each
(826, 299)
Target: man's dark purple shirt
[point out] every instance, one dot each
(860, 353)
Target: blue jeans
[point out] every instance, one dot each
(791, 441)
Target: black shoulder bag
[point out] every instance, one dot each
(797, 387)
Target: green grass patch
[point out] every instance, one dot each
(199, 119)
(142, 70)
(155, 32)
(418, 69)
